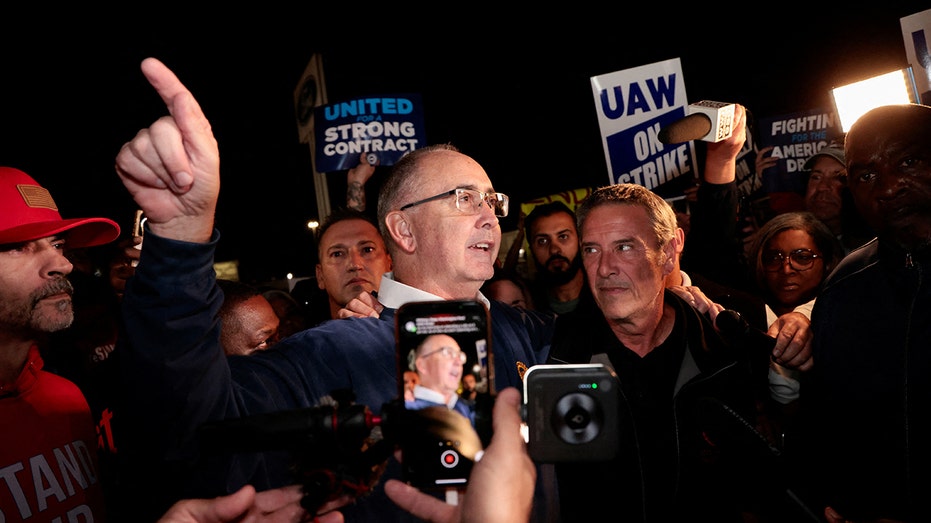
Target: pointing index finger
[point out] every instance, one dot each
(197, 136)
(164, 81)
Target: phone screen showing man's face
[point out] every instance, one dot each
(439, 343)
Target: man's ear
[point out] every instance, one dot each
(400, 230)
(671, 251)
(320, 283)
(680, 240)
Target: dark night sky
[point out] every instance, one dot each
(512, 91)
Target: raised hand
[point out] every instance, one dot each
(764, 162)
(172, 168)
(356, 179)
(720, 166)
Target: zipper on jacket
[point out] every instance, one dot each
(909, 263)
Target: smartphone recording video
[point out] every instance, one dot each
(440, 346)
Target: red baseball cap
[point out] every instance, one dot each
(28, 212)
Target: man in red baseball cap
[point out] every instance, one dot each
(48, 441)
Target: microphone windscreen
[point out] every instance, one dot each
(692, 127)
(731, 323)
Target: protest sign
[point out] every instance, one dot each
(916, 30)
(383, 127)
(795, 137)
(632, 106)
(571, 198)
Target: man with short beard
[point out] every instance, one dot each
(48, 445)
(559, 284)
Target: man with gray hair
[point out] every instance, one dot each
(679, 378)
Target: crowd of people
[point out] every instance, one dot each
(812, 410)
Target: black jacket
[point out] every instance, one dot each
(866, 404)
(689, 450)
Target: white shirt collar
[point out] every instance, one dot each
(393, 294)
(686, 280)
(423, 393)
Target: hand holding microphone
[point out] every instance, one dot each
(707, 121)
(793, 340)
(790, 347)
(735, 328)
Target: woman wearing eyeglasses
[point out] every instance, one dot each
(790, 257)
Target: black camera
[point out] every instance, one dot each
(571, 412)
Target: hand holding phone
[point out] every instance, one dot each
(442, 434)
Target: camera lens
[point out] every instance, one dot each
(578, 418)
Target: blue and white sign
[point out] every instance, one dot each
(632, 106)
(386, 126)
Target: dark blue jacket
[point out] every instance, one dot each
(177, 377)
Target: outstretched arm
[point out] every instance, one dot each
(172, 168)
(712, 248)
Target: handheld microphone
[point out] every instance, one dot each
(706, 121)
(736, 329)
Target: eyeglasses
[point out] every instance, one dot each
(799, 260)
(448, 353)
(470, 202)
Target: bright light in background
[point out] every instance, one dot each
(853, 100)
(312, 225)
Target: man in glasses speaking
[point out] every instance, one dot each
(443, 247)
(438, 361)
(470, 202)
